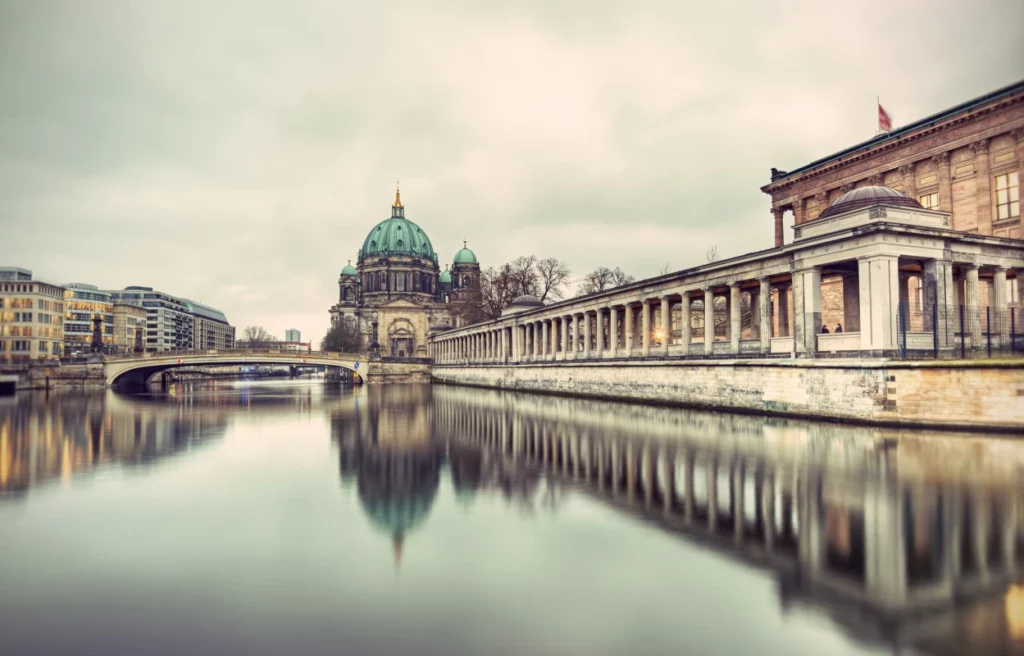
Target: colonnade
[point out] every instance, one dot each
(778, 313)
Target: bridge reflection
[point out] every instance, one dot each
(887, 536)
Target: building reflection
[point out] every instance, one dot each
(896, 526)
(46, 437)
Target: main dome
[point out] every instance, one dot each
(397, 236)
(866, 197)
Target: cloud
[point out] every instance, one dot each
(238, 153)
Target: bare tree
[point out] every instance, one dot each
(665, 269)
(552, 277)
(712, 253)
(603, 278)
(256, 337)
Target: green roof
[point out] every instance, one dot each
(397, 236)
(349, 270)
(465, 256)
(446, 277)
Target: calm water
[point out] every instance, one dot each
(299, 519)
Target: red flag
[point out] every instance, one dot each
(884, 122)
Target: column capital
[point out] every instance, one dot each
(875, 180)
(906, 170)
(979, 147)
(846, 187)
(822, 198)
(942, 159)
(734, 284)
(798, 204)
(1018, 134)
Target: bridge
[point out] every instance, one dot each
(138, 368)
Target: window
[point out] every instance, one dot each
(929, 201)
(1007, 196)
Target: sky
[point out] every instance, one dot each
(237, 153)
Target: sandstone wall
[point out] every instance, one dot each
(982, 395)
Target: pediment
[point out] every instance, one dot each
(398, 303)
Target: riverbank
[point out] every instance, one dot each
(973, 395)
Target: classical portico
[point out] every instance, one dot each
(769, 304)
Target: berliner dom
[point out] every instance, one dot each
(397, 291)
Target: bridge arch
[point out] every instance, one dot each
(138, 368)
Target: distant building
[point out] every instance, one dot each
(174, 323)
(292, 346)
(31, 317)
(81, 303)
(292, 335)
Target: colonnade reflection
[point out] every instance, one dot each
(902, 525)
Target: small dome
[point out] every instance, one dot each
(526, 300)
(465, 256)
(440, 326)
(445, 278)
(866, 197)
(349, 270)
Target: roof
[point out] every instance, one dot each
(1017, 87)
(526, 300)
(866, 197)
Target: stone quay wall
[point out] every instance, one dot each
(984, 395)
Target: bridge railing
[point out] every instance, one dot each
(234, 351)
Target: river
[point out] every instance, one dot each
(298, 518)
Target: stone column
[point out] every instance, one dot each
(945, 187)
(783, 309)
(629, 329)
(735, 317)
(973, 306)
(798, 211)
(909, 184)
(879, 289)
(709, 320)
(809, 324)
(586, 334)
(565, 336)
(983, 190)
(764, 312)
(645, 323)
(599, 326)
(778, 213)
(940, 291)
(851, 304)
(1000, 309)
(685, 326)
(666, 324)
(545, 342)
(799, 331)
(577, 334)
(613, 329)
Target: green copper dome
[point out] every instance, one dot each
(445, 277)
(397, 236)
(349, 270)
(465, 256)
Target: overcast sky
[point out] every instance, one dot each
(237, 153)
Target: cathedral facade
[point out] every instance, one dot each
(397, 293)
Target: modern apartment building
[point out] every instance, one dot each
(212, 330)
(129, 327)
(292, 335)
(31, 317)
(82, 302)
(174, 323)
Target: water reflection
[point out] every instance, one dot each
(886, 531)
(55, 436)
(898, 538)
